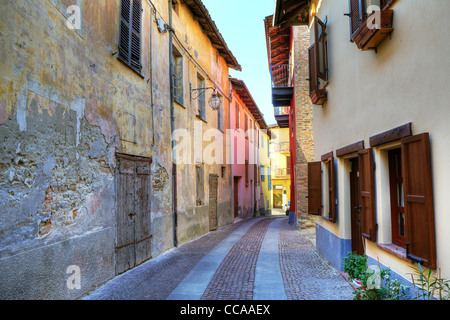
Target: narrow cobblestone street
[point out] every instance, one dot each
(256, 259)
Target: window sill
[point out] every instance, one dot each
(394, 249)
(200, 118)
(131, 68)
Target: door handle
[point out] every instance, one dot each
(357, 208)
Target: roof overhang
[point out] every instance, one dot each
(278, 42)
(291, 13)
(202, 15)
(247, 99)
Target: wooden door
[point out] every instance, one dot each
(213, 184)
(236, 197)
(133, 225)
(355, 201)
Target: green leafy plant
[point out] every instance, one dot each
(376, 281)
(428, 286)
(355, 265)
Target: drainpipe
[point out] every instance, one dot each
(172, 120)
(231, 151)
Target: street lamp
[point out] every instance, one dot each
(214, 102)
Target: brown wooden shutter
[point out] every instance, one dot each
(331, 190)
(313, 77)
(314, 188)
(367, 188)
(418, 190)
(356, 12)
(130, 33)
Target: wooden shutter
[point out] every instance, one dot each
(418, 189)
(331, 190)
(356, 13)
(130, 33)
(320, 41)
(367, 188)
(313, 77)
(314, 188)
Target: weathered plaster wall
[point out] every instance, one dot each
(66, 106)
(200, 57)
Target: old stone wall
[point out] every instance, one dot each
(67, 105)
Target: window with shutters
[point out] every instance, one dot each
(318, 63)
(177, 60)
(201, 107)
(411, 199)
(220, 117)
(370, 22)
(130, 34)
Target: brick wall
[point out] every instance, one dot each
(303, 116)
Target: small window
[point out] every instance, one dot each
(201, 108)
(220, 116)
(263, 177)
(237, 117)
(130, 34)
(246, 173)
(246, 124)
(177, 76)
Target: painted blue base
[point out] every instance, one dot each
(331, 247)
(292, 218)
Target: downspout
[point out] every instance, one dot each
(172, 121)
(231, 151)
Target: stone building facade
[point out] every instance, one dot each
(87, 116)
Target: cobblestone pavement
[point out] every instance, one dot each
(305, 275)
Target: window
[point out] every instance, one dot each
(269, 178)
(367, 17)
(237, 117)
(397, 197)
(177, 76)
(318, 62)
(220, 116)
(263, 177)
(246, 124)
(411, 190)
(262, 141)
(130, 34)
(201, 108)
(246, 173)
(200, 184)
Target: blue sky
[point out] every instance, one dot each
(241, 23)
